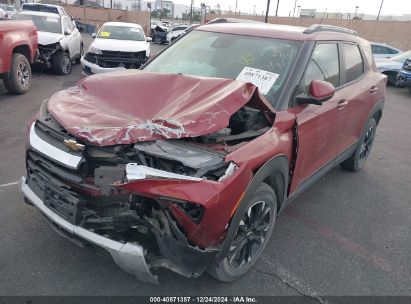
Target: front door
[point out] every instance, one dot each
(319, 127)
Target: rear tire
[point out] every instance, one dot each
(19, 79)
(357, 160)
(252, 235)
(61, 63)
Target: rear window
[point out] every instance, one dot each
(354, 64)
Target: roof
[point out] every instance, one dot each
(34, 13)
(277, 31)
(129, 24)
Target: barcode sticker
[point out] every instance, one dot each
(264, 80)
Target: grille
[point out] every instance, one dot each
(113, 59)
(53, 184)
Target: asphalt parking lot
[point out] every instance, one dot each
(349, 234)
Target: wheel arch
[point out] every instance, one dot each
(24, 50)
(274, 173)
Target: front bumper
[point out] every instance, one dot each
(128, 256)
(89, 68)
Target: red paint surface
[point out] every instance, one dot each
(14, 34)
(321, 89)
(131, 106)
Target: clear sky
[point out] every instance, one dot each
(390, 7)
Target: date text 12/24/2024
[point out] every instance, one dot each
(204, 299)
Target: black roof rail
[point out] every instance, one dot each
(328, 28)
(231, 20)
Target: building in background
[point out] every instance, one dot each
(307, 13)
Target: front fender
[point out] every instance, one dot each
(277, 167)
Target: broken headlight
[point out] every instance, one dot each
(94, 50)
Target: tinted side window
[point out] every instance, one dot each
(377, 49)
(392, 51)
(323, 65)
(354, 65)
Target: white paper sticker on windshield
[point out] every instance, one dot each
(264, 80)
(135, 30)
(51, 19)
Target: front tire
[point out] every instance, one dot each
(252, 235)
(357, 160)
(158, 40)
(61, 63)
(19, 79)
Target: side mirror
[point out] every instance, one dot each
(67, 32)
(149, 39)
(94, 35)
(319, 92)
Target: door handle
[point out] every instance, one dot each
(342, 103)
(373, 89)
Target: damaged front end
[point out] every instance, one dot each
(46, 53)
(162, 202)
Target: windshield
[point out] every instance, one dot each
(401, 58)
(43, 23)
(121, 33)
(40, 8)
(265, 62)
(9, 8)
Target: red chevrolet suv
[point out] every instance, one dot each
(186, 163)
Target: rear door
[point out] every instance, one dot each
(320, 127)
(360, 87)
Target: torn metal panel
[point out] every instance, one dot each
(138, 109)
(46, 52)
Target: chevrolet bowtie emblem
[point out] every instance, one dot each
(73, 145)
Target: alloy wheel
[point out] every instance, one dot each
(251, 235)
(23, 74)
(65, 64)
(367, 143)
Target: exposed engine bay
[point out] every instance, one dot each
(46, 53)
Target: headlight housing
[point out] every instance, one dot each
(94, 50)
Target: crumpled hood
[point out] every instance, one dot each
(46, 38)
(131, 106)
(120, 45)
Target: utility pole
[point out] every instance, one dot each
(295, 5)
(149, 6)
(266, 12)
(235, 10)
(379, 12)
(191, 11)
(276, 10)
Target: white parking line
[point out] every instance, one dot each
(9, 184)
